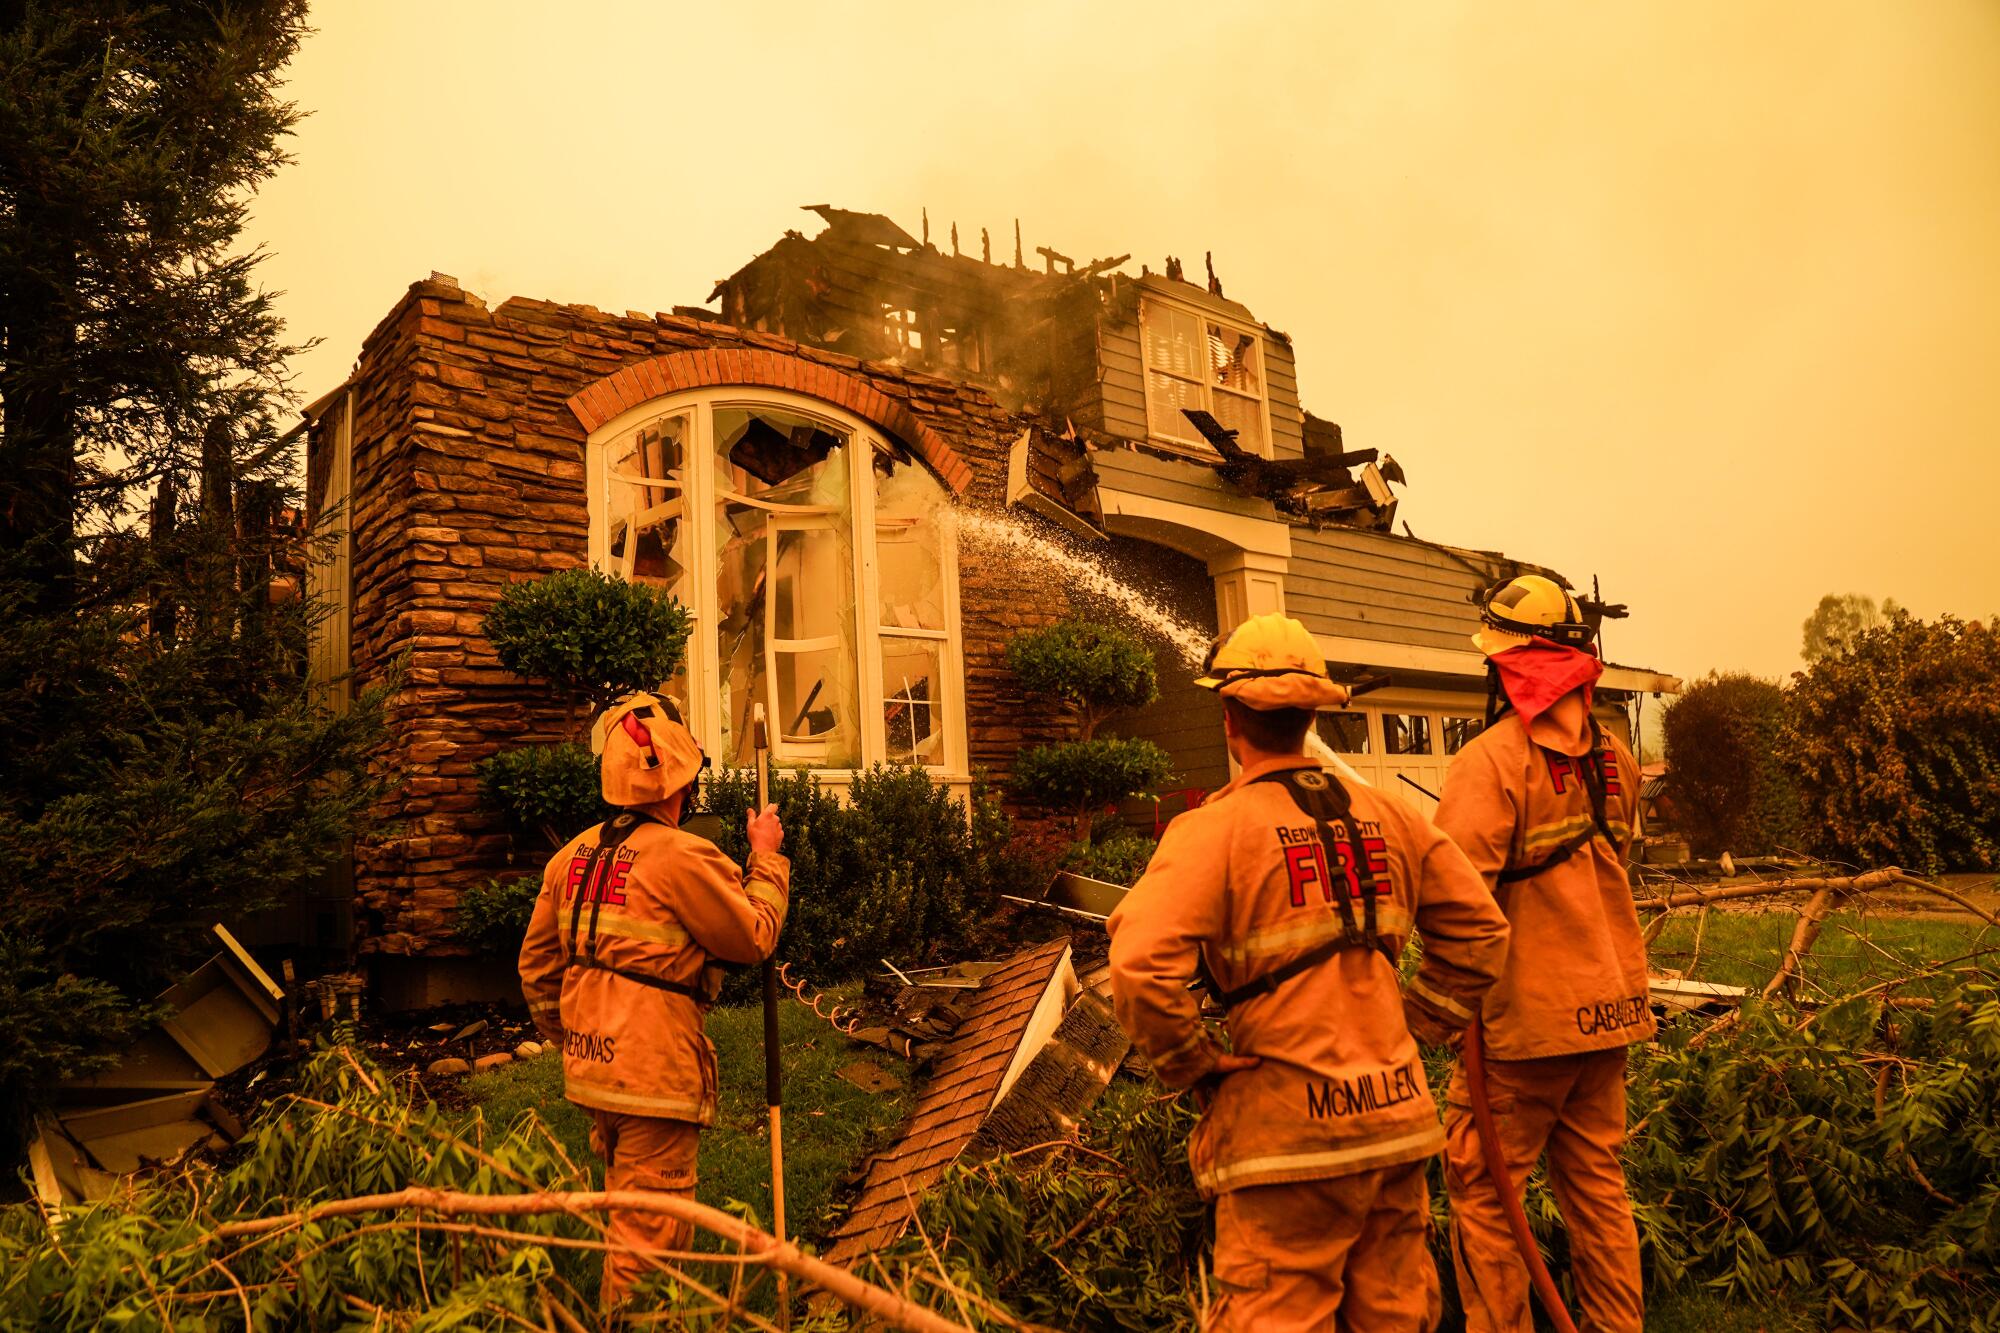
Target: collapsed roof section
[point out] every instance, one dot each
(1069, 346)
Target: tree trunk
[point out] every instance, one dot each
(38, 434)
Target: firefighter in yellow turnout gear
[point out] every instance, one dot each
(617, 966)
(1294, 895)
(1545, 806)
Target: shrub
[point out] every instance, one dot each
(547, 792)
(1894, 743)
(593, 636)
(902, 871)
(1723, 768)
(1116, 855)
(493, 917)
(1096, 669)
(1083, 777)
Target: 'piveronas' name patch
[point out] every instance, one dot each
(1370, 1092)
(1592, 1019)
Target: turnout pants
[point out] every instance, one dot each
(642, 1153)
(1572, 1106)
(1349, 1253)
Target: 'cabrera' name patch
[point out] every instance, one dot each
(1592, 1019)
(1357, 1096)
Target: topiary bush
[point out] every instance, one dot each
(593, 636)
(1894, 744)
(1096, 671)
(493, 917)
(548, 793)
(1723, 769)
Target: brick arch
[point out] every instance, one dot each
(658, 376)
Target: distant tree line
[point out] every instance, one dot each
(1884, 750)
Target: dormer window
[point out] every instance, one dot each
(1195, 360)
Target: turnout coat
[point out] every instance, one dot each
(1241, 887)
(1513, 800)
(614, 960)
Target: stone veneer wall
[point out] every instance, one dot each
(468, 476)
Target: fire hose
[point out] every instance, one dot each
(1474, 1054)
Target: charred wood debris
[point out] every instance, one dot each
(865, 287)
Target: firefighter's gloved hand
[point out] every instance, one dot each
(766, 833)
(1430, 1031)
(1226, 1063)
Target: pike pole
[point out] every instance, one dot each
(760, 738)
(1474, 1053)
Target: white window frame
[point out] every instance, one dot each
(951, 766)
(1182, 435)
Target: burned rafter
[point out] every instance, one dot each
(1316, 487)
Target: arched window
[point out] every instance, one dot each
(818, 559)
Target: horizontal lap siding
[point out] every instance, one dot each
(1122, 380)
(1188, 482)
(1365, 585)
(1288, 422)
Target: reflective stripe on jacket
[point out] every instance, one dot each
(1237, 887)
(1577, 975)
(664, 904)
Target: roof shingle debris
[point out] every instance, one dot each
(971, 1075)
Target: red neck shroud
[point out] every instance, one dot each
(1538, 673)
(637, 731)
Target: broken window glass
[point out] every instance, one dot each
(647, 534)
(911, 716)
(1344, 733)
(784, 587)
(1459, 731)
(1245, 416)
(1232, 360)
(911, 511)
(908, 507)
(1406, 733)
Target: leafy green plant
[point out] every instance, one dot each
(1098, 670)
(1116, 855)
(493, 917)
(549, 792)
(1082, 777)
(593, 636)
(1723, 770)
(903, 868)
(1894, 744)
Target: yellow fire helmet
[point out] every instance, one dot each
(644, 753)
(1527, 608)
(1271, 661)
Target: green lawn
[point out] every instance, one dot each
(830, 1124)
(1853, 950)
(1697, 1311)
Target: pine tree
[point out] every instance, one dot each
(163, 762)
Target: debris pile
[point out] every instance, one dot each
(159, 1101)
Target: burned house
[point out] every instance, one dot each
(799, 464)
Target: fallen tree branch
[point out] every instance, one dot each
(895, 1310)
(1692, 897)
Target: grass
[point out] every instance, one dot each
(1693, 1310)
(830, 1124)
(1853, 950)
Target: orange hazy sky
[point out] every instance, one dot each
(1701, 297)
